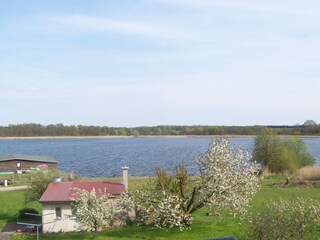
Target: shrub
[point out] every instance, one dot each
(282, 220)
(23, 215)
(38, 182)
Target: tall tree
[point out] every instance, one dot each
(266, 148)
(38, 182)
(280, 155)
(304, 158)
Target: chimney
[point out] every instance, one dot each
(56, 179)
(125, 176)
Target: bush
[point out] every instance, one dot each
(281, 155)
(38, 182)
(299, 219)
(23, 215)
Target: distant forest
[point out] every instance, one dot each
(38, 130)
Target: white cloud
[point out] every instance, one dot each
(126, 27)
(104, 24)
(33, 89)
(297, 7)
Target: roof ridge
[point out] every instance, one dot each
(27, 157)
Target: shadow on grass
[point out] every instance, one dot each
(8, 217)
(122, 233)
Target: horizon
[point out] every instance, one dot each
(159, 62)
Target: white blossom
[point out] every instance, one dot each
(97, 212)
(228, 177)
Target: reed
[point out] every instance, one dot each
(307, 173)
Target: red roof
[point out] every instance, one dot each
(66, 191)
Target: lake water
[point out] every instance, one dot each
(104, 157)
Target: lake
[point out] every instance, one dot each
(104, 157)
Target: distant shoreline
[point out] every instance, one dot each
(148, 136)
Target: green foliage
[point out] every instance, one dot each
(284, 160)
(280, 155)
(300, 150)
(23, 215)
(34, 130)
(282, 220)
(266, 147)
(38, 182)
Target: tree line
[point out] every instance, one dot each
(38, 130)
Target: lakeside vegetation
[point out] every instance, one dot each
(309, 128)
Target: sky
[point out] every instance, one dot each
(135, 63)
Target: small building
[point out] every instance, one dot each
(20, 162)
(57, 212)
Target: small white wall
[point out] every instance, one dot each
(67, 223)
(64, 224)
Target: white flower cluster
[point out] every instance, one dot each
(95, 213)
(161, 211)
(228, 177)
(170, 214)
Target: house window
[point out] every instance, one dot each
(73, 212)
(58, 212)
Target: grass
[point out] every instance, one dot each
(11, 203)
(134, 182)
(203, 226)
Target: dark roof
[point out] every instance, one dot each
(25, 157)
(66, 191)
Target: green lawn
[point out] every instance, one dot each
(10, 204)
(203, 226)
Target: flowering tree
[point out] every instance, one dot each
(228, 179)
(97, 212)
(92, 212)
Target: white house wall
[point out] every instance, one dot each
(51, 224)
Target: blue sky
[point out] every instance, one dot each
(157, 62)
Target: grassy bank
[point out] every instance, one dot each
(203, 226)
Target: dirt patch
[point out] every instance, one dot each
(5, 236)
